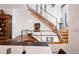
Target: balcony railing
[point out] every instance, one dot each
(42, 36)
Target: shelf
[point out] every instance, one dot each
(5, 26)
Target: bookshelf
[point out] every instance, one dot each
(5, 27)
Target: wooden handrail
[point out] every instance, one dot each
(46, 12)
(46, 22)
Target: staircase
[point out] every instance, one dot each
(46, 22)
(64, 34)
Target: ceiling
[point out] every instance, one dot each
(20, 6)
(12, 6)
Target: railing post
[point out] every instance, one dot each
(36, 7)
(41, 35)
(21, 34)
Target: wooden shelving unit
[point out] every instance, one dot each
(5, 27)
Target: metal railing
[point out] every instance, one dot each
(42, 36)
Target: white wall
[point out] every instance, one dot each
(29, 49)
(21, 21)
(73, 44)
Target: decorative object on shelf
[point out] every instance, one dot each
(37, 27)
(8, 50)
(24, 51)
(49, 39)
(61, 51)
(5, 27)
